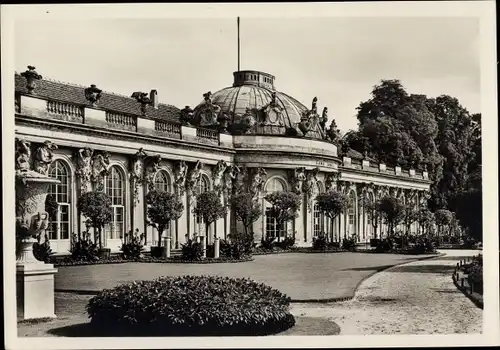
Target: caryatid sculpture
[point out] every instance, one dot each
(180, 174)
(217, 174)
(84, 168)
(258, 180)
(43, 157)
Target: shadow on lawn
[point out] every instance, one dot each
(440, 269)
(368, 268)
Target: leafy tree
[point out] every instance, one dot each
(410, 215)
(246, 209)
(372, 211)
(332, 204)
(392, 211)
(285, 206)
(443, 218)
(425, 219)
(162, 207)
(96, 207)
(209, 208)
(469, 212)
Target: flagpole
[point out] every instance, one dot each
(238, 21)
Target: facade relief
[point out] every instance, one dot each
(180, 175)
(230, 177)
(84, 168)
(151, 165)
(100, 165)
(138, 173)
(258, 179)
(310, 186)
(44, 156)
(217, 175)
(193, 179)
(331, 181)
(296, 178)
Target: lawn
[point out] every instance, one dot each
(304, 277)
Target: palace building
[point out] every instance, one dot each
(246, 136)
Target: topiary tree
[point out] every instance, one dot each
(443, 218)
(392, 211)
(246, 209)
(284, 207)
(96, 207)
(163, 207)
(332, 204)
(209, 208)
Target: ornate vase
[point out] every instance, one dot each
(31, 217)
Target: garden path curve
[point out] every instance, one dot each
(415, 298)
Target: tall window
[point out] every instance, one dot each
(202, 186)
(351, 213)
(115, 189)
(272, 227)
(318, 216)
(162, 181)
(59, 224)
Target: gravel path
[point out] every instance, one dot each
(415, 298)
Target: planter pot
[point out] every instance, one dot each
(104, 253)
(374, 242)
(158, 252)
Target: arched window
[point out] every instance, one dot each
(202, 186)
(114, 187)
(60, 220)
(162, 181)
(318, 216)
(370, 198)
(272, 227)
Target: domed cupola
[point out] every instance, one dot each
(253, 106)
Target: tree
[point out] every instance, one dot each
(469, 212)
(332, 204)
(392, 211)
(209, 208)
(284, 207)
(443, 218)
(163, 207)
(371, 210)
(410, 215)
(246, 209)
(96, 207)
(425, 219)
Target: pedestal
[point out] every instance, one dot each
(167, 244)
(216, 247)
(35, 290)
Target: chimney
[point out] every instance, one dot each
(153, 96)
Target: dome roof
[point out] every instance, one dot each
(253, 94)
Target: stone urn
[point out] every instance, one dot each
(31, 217)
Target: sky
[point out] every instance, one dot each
(337, 59)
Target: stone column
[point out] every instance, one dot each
(167, 244)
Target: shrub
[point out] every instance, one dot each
(192, 250)
(267, 243)
(422, 245)
(132, 245)
(349, 244)
(286, 243)
(191, 305)
(238, 246)
(163, 207)
(384, 245)
(82, 247)
(320, 242)
(42, 251)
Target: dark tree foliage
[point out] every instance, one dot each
(439, 134)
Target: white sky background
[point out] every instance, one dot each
(338, 60)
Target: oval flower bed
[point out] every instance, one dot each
(190, 306)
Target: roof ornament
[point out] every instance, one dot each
(314, 108)
(93, 94)
(31, 77)
(324, 118)
(143, 99)
(310, 119)
(207, 114)
(186, 115)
